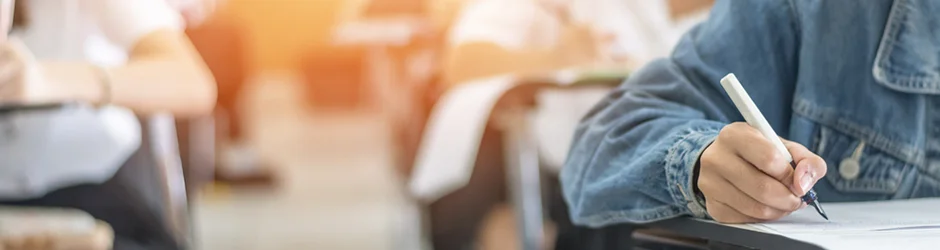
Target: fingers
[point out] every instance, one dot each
(726, 214)
(759, 186)
(32, 242)
(750, 144)
(809, 167)
(727, 192)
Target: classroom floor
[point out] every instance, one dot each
(339, 188)
(338, 192)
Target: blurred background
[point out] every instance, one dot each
(323, 105)
(314, 117)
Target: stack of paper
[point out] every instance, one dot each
(903, 224)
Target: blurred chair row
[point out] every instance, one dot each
(175, 159)
(150, 187)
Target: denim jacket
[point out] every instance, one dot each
(857, 82)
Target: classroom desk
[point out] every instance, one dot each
(56, 235)
(448, 149)
(383, 70)
(100, 239)
(511, 114)
(687, 234)
(725, 237)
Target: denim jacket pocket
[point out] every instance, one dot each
(908, 56)
(855, 167)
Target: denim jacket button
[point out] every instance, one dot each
(849, 169)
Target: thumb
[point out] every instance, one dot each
(807, 173)
(809, 168)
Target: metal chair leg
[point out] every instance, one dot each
(523, 177)
(162, 130)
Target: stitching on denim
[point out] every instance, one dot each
(827, 117)
(676, 163)
(638, 216)
(888, 37)
(883, 70)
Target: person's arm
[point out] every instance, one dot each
(633, 156)
(164, 73)
(493, 37)
(481, 59)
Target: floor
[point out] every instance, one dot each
(339, 190)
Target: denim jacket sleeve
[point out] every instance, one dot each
(633, 154)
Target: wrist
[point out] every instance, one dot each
(695, 175)
(69, 82)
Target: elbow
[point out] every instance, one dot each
(200, 92)
(203, 96)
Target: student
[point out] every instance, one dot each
(112, 59)
(221, 40)
(528, 37)
(852, 87)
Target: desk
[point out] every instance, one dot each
(730, 237)
(100, 238)
(448, 149)
(378, 36)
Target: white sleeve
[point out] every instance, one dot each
(124, 22)
(511, 24)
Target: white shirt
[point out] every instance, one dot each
(46, 150)
(642, 31)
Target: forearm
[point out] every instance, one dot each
(145, 87)
(632, 159)
(478, 59)
(178, 83)
(164, 86)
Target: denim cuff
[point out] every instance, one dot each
(680, 164)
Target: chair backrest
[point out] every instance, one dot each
(197, 151)
(161, 139)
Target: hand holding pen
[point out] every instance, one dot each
(746, 177)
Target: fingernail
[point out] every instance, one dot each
(807, 181)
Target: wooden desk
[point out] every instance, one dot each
(101, 238)
(35, 228)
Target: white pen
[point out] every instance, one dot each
(753, 116)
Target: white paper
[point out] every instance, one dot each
(899, 224)
(452, 137)
(905, 239)
(862, 216)
(448, 149)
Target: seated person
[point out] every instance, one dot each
(852, 87)
(115, 59)
(535, 36)
(220, 41)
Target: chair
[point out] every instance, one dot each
(442, 168)
(197, 144)
(150, 187)
(164, 145)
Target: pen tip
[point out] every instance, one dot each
(820, 210)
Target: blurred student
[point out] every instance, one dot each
(493, 37)
(851, 87)
(113, 59)
(221, 40)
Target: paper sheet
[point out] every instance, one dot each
(906, 239)
(445, 159)
(448, 149)
(862, 216)
(900, 224)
